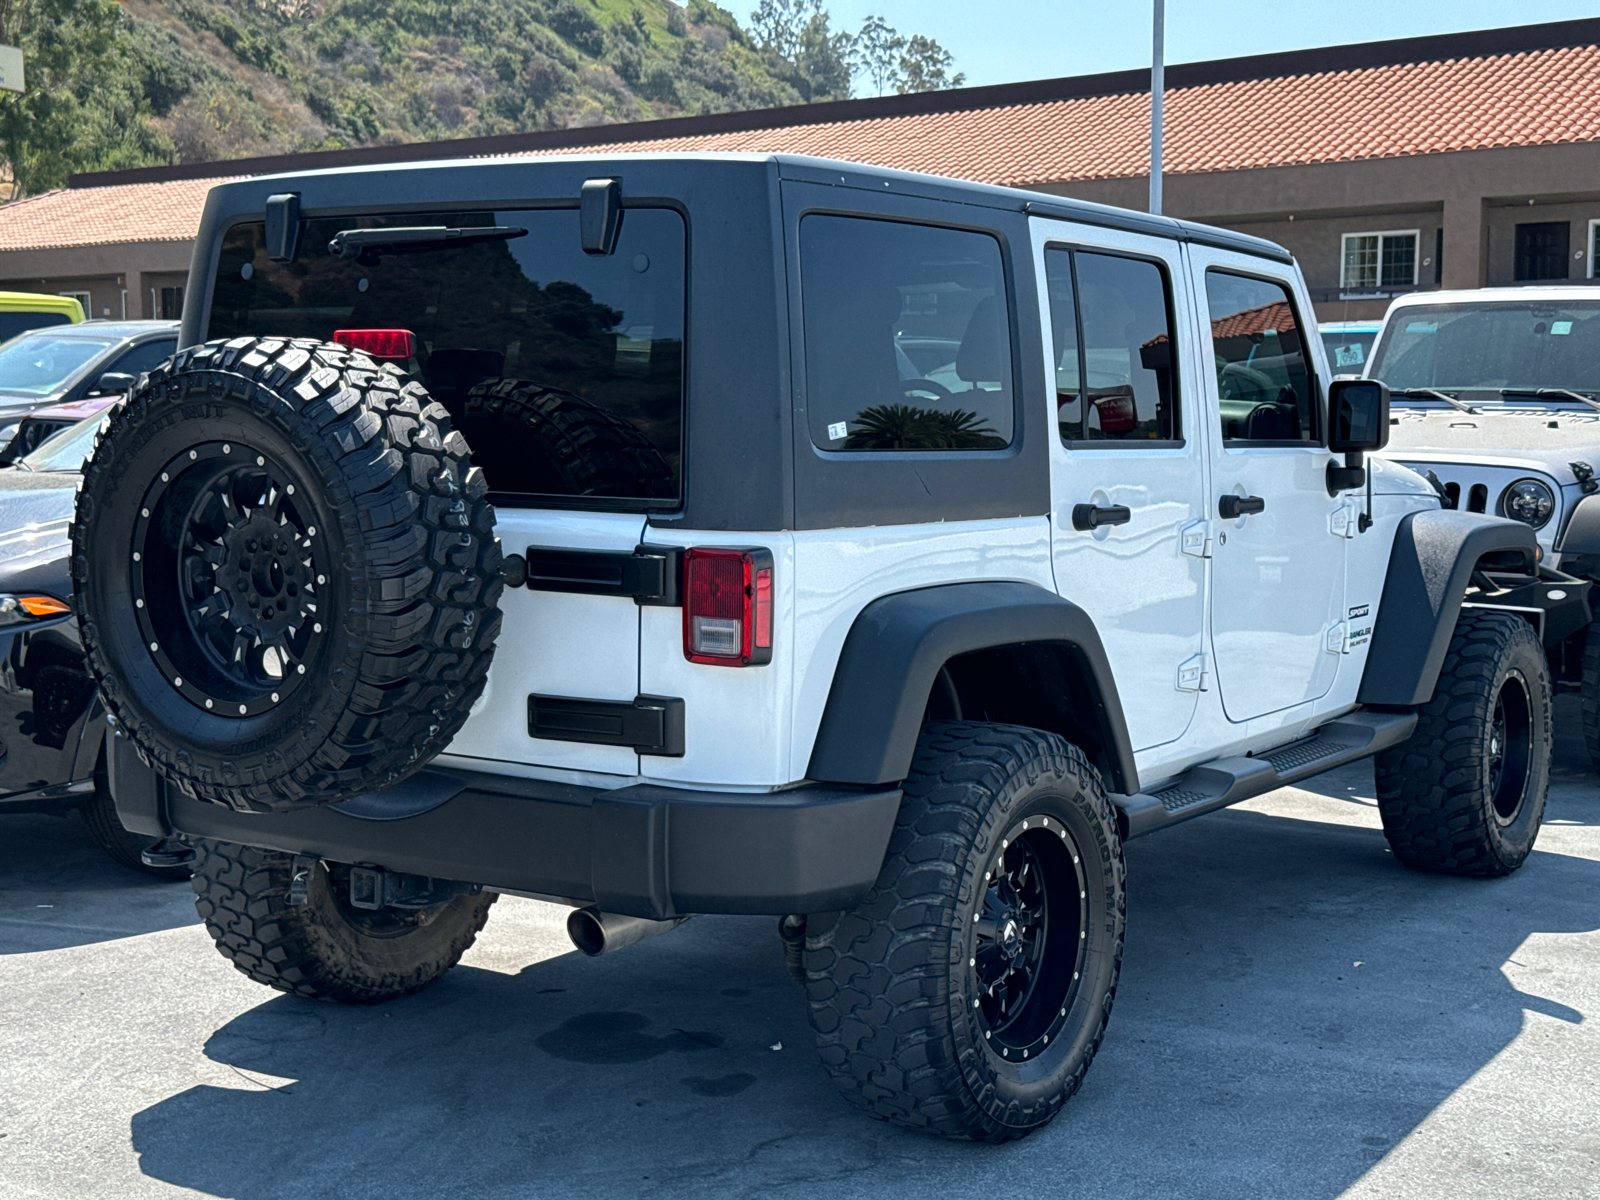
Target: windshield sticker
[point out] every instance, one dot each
(1422, 327)
(837, 430)
(1347, 356)
(1558, 328)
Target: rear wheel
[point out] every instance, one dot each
(1465, 794)
(325, 948)
(288, 572)
(969, 991)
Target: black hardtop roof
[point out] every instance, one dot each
(241, 196)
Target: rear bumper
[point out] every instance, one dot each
(643, 851)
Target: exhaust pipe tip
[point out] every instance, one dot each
(595, 932)
(586, 931)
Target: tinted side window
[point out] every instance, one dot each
(563, 370)
(13, 323)
(1116, 373)
(145, 356)
(907, 336)
(1262, 378)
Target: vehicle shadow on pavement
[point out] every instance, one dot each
(1293, 1004)
(58, 889)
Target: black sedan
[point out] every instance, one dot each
(52, 726)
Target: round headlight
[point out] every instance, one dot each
(1528, 501)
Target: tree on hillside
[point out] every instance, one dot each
(799, 40)
(925, 67)
(878, 49)
(83, 108)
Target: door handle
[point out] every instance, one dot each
(1231, 506)
(1091, 516)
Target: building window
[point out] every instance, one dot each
(171, 303)
(1379, 260)
(83, 299)
(1541, 251)
(1594, 247)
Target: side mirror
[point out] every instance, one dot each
(1358, 421)
(113, 383)
(1358, 415)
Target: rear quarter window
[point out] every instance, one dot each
(907, 336)
(563, 370)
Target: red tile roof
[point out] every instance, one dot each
(1459, 92)
(1524, 99)
(136, 212)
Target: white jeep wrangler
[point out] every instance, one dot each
(872, 550)
(1497, 400)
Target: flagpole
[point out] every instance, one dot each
(1158, 87)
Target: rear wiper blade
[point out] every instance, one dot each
(1435, 394)
(370, 244)
(1553, 394)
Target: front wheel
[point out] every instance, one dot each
(969, 991)
(1465, 794)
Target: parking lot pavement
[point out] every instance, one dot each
(1298, 1017)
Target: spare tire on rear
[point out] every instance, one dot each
(287, 573)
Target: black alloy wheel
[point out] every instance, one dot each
(969, 990)
(1510, 748)
(286, 573)
(1029, 933)
(1465, 794)
(230, 578)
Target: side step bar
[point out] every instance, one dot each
(1226, 781)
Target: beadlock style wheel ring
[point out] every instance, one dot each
(229, 578)
(1030, 931)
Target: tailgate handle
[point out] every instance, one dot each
(649, 574)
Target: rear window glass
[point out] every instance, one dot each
(907, 336)
(563, 370)
(13, 323)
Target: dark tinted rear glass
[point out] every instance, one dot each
(908, 341)
(13, 323)
(563, 370)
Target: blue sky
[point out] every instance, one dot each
(1001, 41)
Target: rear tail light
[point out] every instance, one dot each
(727, 606)
(386, 345)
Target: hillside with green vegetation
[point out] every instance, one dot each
(164, 81)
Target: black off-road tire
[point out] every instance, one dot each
(1589, 694)
(896, 993)
(529, 437)
(1437, 792)
(323, 949)
(386, 593)
(99, 815)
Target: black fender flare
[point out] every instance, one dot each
(899, 643)
(1582, 534)
(1430, 565)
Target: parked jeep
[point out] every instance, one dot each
(1497, 398)
(672, 535)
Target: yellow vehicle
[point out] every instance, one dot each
(22, 311)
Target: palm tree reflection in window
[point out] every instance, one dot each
(907, 427)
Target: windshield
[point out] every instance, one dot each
(37, 364)
(1348, 349)
(1490, 346)
(66, 450)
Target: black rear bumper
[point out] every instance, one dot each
(643, 851)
